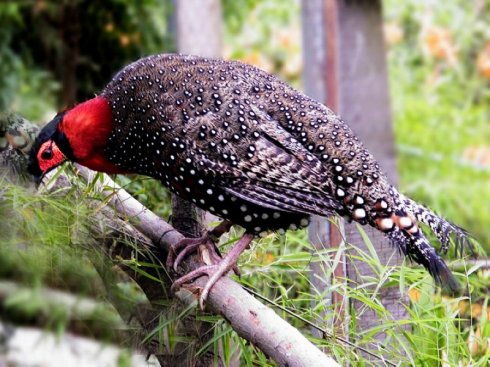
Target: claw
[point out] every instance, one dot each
(189, 245)
(215, 271)
(199, 272)
(186, 247)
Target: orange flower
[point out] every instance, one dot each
(39, 6)
(109, 27)
(124, 40)
(265, 258)
(414, 295)
(293, 65)
(476, 310)
(393, 33)
(483, 61)
(437, 42)
(288, 38)
(479, 155)
(463, 306)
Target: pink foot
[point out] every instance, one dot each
(189, 245)
(215, 271)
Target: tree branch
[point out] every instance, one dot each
(47, 307)
(247, 316)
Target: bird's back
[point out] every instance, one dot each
(223, 109)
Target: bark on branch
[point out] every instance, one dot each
(247, 316)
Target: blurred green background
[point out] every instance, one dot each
(55, 53)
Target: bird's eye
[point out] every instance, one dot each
(47, 154)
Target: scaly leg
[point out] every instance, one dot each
(189, 245)
(215, 272)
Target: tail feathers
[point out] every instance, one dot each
(417, 248)
(441, 228)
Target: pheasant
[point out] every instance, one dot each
(243, 145)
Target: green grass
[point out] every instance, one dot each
(433, 131)
(278, 268)
(441, 113)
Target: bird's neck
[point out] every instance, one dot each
(87, 127)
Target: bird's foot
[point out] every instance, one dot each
(215, 271)
(189, 245)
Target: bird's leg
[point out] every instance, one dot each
(189, 245)
(216, 271)
(221, 229)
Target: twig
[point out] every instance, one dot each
(463, 265)
(324, 331)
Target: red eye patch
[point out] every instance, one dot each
(49, 156)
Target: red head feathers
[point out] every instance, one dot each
(79, 134)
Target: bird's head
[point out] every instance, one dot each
(46, 153)
(79, 134)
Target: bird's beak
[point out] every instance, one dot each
(38, 178)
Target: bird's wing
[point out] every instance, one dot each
(265, 166)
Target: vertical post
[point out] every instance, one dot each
(199, 27)
(345, 67)
(197, 24)
(364, 102)
(320, 82)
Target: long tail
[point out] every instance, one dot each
(402, 229)
(418, 248)
(440, 227)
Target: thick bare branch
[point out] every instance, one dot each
(83, 316)
(249, 318)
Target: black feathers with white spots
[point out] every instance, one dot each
(245, 146)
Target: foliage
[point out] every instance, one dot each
(75, 48)
(44, 240)
(441, 107)
(22, 87)
(278, 267)
(267, 35)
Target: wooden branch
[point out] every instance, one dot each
(463, 265)
(248, 317)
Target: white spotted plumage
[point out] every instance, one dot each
(239, 142)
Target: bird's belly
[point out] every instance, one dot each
(186, 182)
(253, 217)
